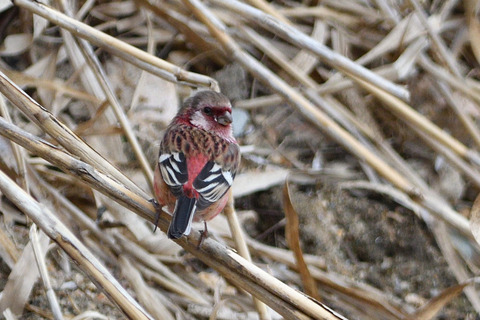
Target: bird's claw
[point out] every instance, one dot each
(157, 207)
(203, 235)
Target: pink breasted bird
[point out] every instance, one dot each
(198, 161)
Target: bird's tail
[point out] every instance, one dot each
(182, 217)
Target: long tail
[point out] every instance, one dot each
(182, 217)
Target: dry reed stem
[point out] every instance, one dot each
(42, 268)
(268, 8)
(79, 216)
(466, 120)
(277, 56)
(242, 248)
(58, 131)
(17, 152)
(286, 301)
(119, 48)
(8, 250)
(400, 70)
(292, 236)
(283, 255)
(443, 75)
(413, 118)
(55, 84)
(117, 109)
(72, 246)
(145, 294)
(298, 38)
(307, 109)
(82, 170)
(437, 42)
(323, 13)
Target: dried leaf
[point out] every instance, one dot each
(7, 159)
(473, 27)
(116, 8)
(15, 44)
(429, 310)
(5, 4)
(145, 293)
(22, 279)
(39, 25)
(292, 234)
(90, 315)
(8, 250)
(474, 30)
(475, 219)
(254, 181)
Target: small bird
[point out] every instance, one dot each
(197, 162)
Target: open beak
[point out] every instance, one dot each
(225, 119)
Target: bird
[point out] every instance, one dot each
(197, 162)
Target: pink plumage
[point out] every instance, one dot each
(198, 161)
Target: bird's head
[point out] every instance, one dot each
(208, 110)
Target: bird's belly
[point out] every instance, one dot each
(213, 210)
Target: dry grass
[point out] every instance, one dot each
(87, 89)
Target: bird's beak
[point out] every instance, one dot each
(225, 119)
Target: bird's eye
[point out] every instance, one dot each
(207, 110)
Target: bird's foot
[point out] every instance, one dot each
(203, 235)
(158, 209)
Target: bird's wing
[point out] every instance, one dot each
(173, 167)
(212, 183)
